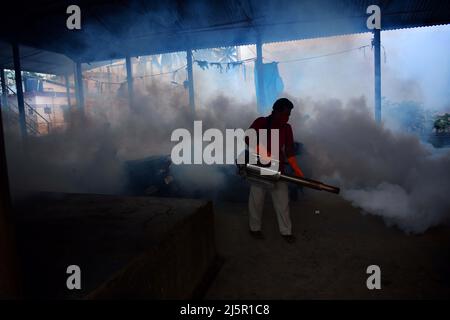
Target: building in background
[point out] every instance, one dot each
(47, 102)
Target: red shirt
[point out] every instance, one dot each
(286, 138)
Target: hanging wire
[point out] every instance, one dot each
(137, 77)
(324, 55)
(101, 82)
(243, 62)
(231, 62)
(297, 59)
(162, 73)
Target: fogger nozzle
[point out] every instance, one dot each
(254, 171)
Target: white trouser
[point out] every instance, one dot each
(280, 200)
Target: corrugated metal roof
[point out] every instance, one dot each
(36, 60)
(113, 29)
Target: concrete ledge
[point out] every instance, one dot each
(126, 247)
(174, 268)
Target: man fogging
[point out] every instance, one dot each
(264, 166)
(278, 119)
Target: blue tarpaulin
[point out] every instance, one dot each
(273, 86)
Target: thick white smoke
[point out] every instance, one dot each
(89, 155)
(386, 173)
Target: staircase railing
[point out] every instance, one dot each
(30, 128)
(31, 123)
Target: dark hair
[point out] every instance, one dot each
(282, 104)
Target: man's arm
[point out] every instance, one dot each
(289, 148)
(293, 163)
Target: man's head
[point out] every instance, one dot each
(281, 110)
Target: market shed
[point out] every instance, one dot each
(34, 37)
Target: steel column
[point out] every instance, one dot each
(377, 67)
(190, 81)
(19, 90)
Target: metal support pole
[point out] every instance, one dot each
(9, 274)
(66, 77)
(79, 86)
(108, 70)
(4, 97)
(190, 81)
(145, 61)
(260, 94)
(377, 59)
(129, 80)
(19, 90)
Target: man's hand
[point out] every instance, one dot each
(299, 173)
(265, 159)
(264, 155)
(293, 162)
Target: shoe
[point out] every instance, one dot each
(289, 238)
(257, 234)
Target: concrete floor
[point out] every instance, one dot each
(329, 258)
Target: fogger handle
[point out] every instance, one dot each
(268, 174)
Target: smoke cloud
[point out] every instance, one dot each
(386, 173)
(89, 155)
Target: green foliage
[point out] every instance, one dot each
(408, 116)
(442, 122)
